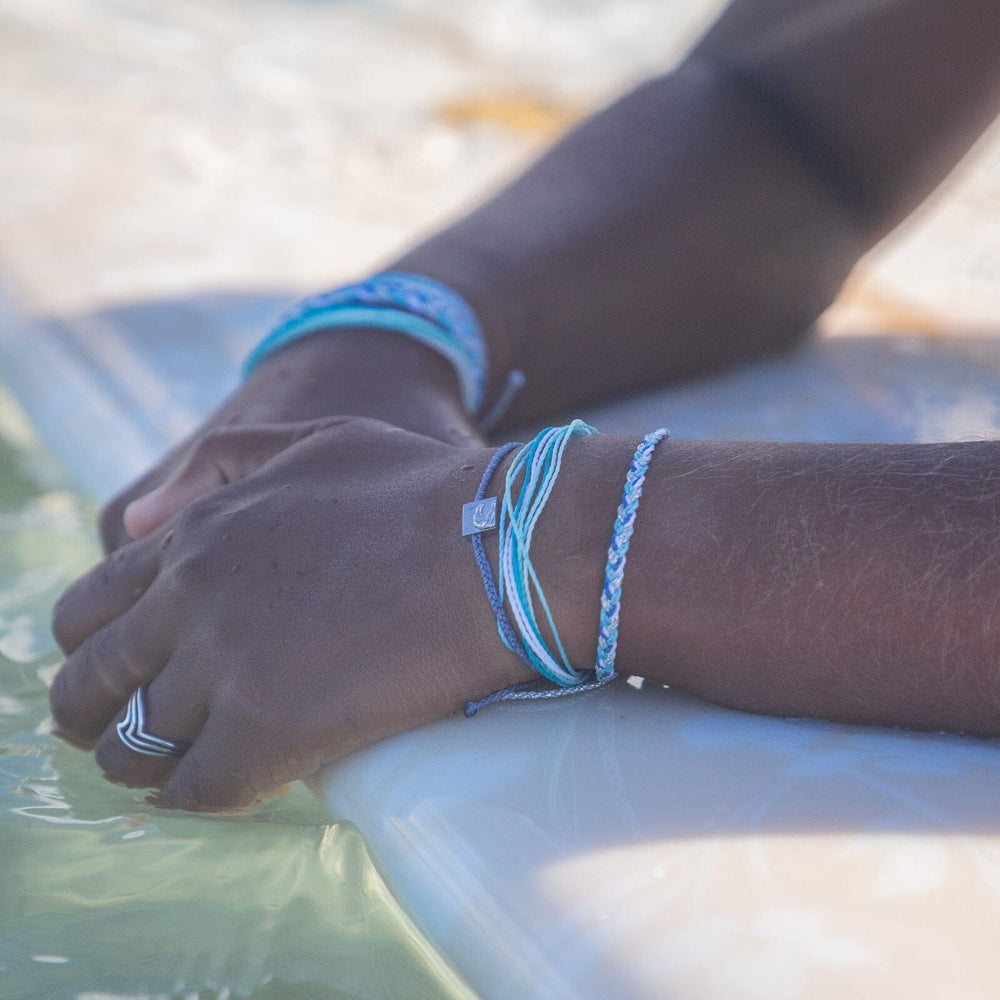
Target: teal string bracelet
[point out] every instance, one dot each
(409, 304)
(532, 475)
(530, 478)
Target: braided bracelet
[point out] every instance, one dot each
(417, 307)
(537, 465)
(621, 538)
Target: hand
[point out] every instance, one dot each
(361, 373)
(320, 604)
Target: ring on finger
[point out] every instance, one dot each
(133, 733)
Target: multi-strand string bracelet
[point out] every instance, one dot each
(438, 317)
(528, 485)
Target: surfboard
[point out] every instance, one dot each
(634, 842)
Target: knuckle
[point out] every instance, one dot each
(188, 573)
(201, 515)
(350, 428)
(363, 427)
(195, 529)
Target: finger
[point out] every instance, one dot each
(97, 679)
(106, 592)
(233, 766)
(219, 457)
(110, 520)
(172, 711)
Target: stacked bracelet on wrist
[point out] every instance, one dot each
(529, 482)
(417, 307)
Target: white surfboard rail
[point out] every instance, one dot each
(630, 843)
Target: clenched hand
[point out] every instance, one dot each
(323, 602)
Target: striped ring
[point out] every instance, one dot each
(132, 732)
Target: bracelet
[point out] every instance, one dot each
(533, 474)
(478, 517)
(417, 307)
(537, 466)
(621, 538)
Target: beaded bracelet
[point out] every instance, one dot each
(415, 306)
(537, 466)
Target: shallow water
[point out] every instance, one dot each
(103, 896)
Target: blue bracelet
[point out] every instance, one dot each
(621, 538)
(410, 304)
(532, 475)
(537, 464)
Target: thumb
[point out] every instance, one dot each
(216, 458)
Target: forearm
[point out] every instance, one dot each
(712, 214)
(673, 232)
(882, 98)
(849, 582)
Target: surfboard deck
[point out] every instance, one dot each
(634, 842)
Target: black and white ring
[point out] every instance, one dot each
(132, 732)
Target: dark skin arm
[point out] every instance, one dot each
(711, 215)
(707, 217)
(849, 582)
(845, 581)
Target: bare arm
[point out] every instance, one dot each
(712, 214)
(850, 582)
(707, 217)
(275, 629)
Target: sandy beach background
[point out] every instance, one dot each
(158, 154)
(153, 151)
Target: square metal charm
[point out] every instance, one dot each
(478, 516)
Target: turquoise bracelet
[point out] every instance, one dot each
(531, 477)
(417, 307)
(527, 489)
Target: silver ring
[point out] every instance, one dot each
(133, 733)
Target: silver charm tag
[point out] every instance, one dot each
(478, 516)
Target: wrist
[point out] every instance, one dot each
(570, 544)
(468, 271)
(370, 373)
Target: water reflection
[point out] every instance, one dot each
(102, 896)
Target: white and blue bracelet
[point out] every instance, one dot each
(410, 304)
(531, 477)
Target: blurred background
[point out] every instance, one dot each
(170, 173)
(154, 150)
